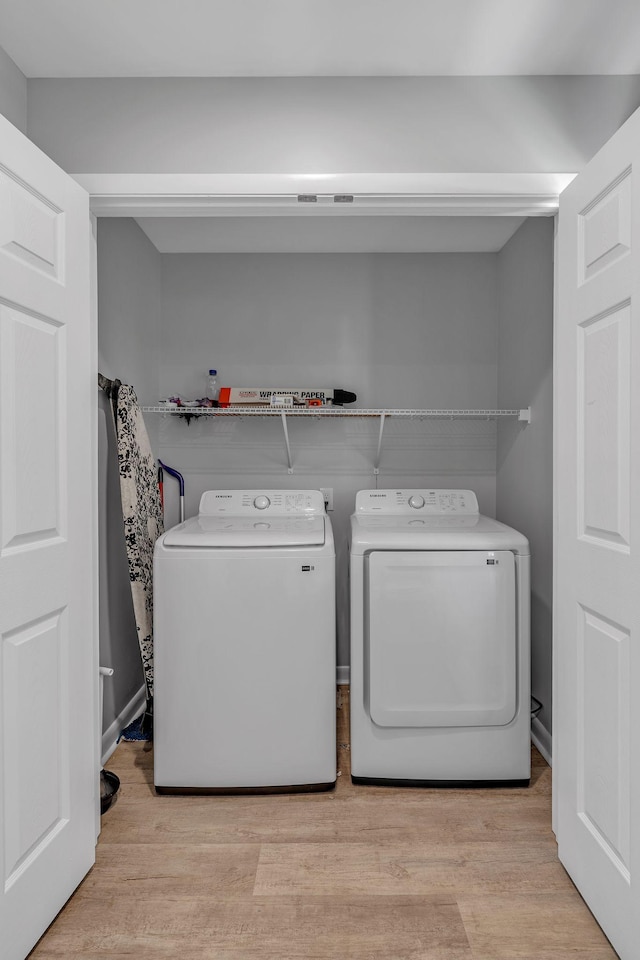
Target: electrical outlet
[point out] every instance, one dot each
(327, 493)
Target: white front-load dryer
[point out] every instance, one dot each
(440, 673)
(244, 646)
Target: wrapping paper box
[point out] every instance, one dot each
(261, 396)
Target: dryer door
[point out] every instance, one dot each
(441, 638)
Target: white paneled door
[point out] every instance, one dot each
(596, 732)
(48, 673)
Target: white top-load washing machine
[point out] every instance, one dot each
(440, 674)
(244, 645)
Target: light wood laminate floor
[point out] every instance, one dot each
(361, 873)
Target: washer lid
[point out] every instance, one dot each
(254, 531)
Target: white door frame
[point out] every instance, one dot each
(380, 194)
(374, 194)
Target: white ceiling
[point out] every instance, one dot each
(266, 38)
(329, 234)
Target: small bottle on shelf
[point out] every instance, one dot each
(212, 385)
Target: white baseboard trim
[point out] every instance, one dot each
(127, 715)
(542, 739)
(343, 675)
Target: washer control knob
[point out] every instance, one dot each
(416, 502)
(261, 502)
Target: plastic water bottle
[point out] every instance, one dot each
(212, 385)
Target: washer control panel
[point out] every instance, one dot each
(460, 503)
(246, 503)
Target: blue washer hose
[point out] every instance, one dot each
(176, 476)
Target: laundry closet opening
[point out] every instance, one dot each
(410, 312)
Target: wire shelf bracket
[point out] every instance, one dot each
(523, 415)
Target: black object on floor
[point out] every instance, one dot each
(109, 786)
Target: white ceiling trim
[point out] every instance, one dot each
(441, 194)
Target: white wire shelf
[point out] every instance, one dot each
(382, 414)
(524, 414)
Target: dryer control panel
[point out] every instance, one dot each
(247, 503)
(459, 503)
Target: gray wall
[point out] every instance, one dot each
(401, 330)
(13, 92)
(524, 494)
(129, 316)
(285, 125)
